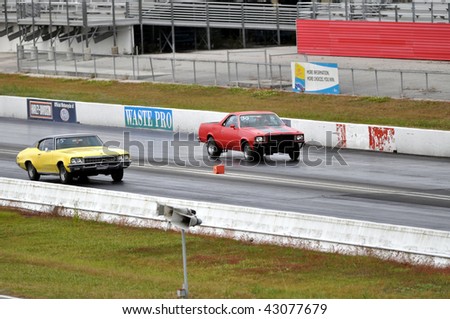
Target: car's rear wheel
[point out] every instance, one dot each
(117, 175)
(213, 150)
(64, 176)
(32, 172)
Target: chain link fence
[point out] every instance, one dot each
(231, 70)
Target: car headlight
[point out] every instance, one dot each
(119, 158)
(299, 138)
(76, 160)
(126, 157)
(259, 139)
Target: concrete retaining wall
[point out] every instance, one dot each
(330, 134)
(243, 223)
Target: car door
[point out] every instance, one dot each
(45, 156)
(230, 138)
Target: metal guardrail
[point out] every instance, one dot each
(231, 72)
(220, 14)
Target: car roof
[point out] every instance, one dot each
(67, 135)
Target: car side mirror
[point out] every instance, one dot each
(233, 126)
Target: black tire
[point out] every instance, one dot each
(249, 154)
(117, 175)
(32, 172)
(212, 149)
(64, 176)
(294, 153)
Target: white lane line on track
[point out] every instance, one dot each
(333, 186)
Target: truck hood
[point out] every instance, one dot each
(272, 130)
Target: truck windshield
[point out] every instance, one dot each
(260, 120)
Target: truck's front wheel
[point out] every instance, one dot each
(213, 150)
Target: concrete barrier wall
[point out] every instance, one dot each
(330, 134)
(243, 223)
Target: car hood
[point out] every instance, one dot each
(272, 130)
(92, 151)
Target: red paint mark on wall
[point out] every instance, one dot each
(341, 131)
(382, 139)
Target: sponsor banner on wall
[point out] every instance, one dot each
(315, 77)
(58, 111)
(148, 117)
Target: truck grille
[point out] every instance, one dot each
(281, 138)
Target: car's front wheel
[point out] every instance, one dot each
(32, 172)
(213, 150)
(64, 176)
(117, 175)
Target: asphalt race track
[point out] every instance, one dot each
(384, 188)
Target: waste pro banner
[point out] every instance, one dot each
(315, 77)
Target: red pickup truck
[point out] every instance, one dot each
(254, 133)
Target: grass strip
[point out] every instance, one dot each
(48, 256)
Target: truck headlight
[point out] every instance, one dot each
(76, 160)
(299, 138)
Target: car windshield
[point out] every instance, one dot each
(78, 141)
(260, 120)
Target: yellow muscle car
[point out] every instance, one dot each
(74, 155)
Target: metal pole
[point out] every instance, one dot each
(50, 21)
(18, 50)
(141, 26)
(208, 29)
(183, 247)
(376, 82)
(195, 74)
(113, 4)
(259, 80)
(85, 22)
(151, 67)
(32, 22)
(173, 69)
(278, 26)
(68, 22)
(413, 9)
(432, 12)
(353, 82)
(426, 80)
(95, 67)
(243, 25)
(401, 84)
(172, 27)
(54, 59)
(281, 77)
(215, 73)
(228, 66)
(134, 71)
